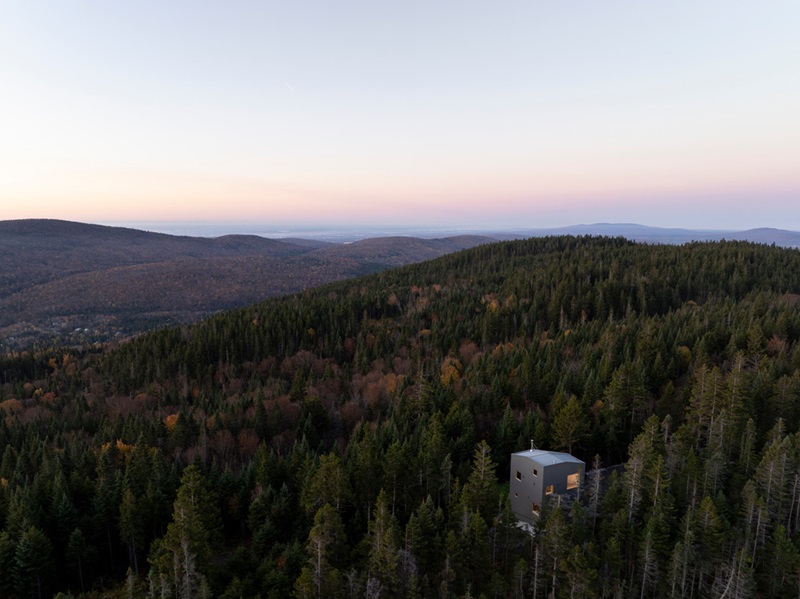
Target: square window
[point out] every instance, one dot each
(535, 507)
(549, 489)
(573, 480)
(535, 472)
(519, 475)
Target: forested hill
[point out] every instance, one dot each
(353, 440)
(65, 283)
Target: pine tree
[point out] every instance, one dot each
(570, 425)
(185, 551)
(593, 490)
(772, 476)
(131, 527)
(648, 561)
(398, 472)
(77, 552)
(382, 538)
(755, 519)
(33, 564)
(580, 572)
(782, 566)
(329, 484)
(479, 492)
(476, 555)
(706, 402)
(624, 399)
(640, 459)
(7, 550)
(709, 534)
(424, 533)
(432, 455)
(325, 547)
(736, 578)
(555, 547)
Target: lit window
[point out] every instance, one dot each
(519, 475)
(535, 472)
(549, 489)
(573, 480)
(535, 508)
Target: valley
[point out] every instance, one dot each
(71, 283)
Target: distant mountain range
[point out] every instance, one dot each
(67, 282)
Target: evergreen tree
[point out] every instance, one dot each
(321, 577)
(185, 552)
(131, 527)
(77, 552)
(32, 569)
(570, 425)
(382, 542)
(329, 484)
(479, 492)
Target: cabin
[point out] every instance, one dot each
(537, 473)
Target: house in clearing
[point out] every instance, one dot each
(535, 474)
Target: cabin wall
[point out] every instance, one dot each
(528, 490)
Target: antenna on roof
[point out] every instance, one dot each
(532, 445)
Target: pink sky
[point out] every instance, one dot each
(460, 114)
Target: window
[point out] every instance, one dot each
(516, 494)
(573, 480)
(519, 475)
(535, 507)
(549, 489)
(535, 472)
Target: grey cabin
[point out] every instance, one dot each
(535, 474)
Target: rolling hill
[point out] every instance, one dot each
(71, 282)
(68, 282)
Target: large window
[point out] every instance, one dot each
(573, 480)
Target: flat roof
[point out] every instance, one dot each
(548, 458)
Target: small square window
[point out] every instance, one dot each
(535, 472)
(516, 494)
(535, 507)
(549, 489)
(519, 475)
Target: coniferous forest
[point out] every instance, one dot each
(354, 440)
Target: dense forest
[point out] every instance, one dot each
(69, 283)
(354, 440)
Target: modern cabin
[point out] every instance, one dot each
(536, 473)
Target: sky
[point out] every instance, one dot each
(371, 113)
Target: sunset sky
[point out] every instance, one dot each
(463, 114)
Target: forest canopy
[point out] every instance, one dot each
(354, 439)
